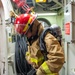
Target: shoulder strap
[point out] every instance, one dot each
(43, 34)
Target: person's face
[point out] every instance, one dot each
(28, 34)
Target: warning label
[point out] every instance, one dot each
(67, 28)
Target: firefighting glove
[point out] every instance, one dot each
(39, 72)
(28, 58)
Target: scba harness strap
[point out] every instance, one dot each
(43, 34)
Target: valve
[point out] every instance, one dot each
(23, 5)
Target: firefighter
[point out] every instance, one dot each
(48, 61)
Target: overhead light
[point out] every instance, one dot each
(67, 14)
(45, 14)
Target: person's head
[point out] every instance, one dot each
(23, 23)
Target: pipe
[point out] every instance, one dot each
(66, 58)
(58, 3)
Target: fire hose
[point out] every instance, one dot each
(22, 66)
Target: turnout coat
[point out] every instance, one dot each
(47, 62)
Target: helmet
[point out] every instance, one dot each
(23, 22)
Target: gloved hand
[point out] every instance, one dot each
(28, 58)
(34, 61)
(39, 72)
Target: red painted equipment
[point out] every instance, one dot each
(23, 5)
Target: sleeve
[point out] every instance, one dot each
(34, 55)
(55, 56)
